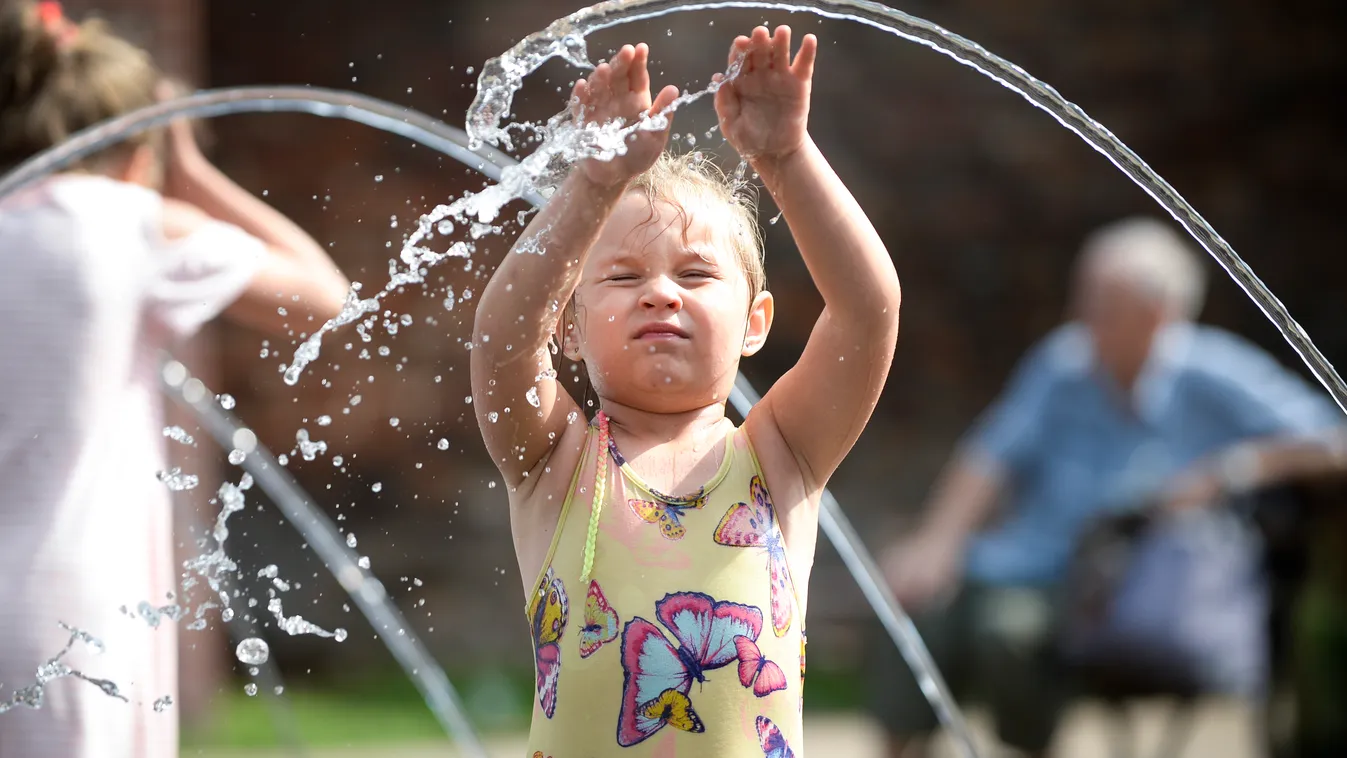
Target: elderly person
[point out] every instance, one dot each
(1130, 402)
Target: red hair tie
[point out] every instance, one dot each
(52, 17)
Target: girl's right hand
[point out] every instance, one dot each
(620, 89)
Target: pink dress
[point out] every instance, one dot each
(90, 291)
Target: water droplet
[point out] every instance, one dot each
(339, 635)
(443, 444)
(279, 689)
(236, 456)
(393, 421)
(250, 689)
(445, 227)
(350, 540)
(177, 481)
(378, 178)
(377, 487)
(178, 434)
(363, 562)
(324, 420)
(532, 396)
(491, 485)
(493, 417)
(163, 703)
(253, 651)
(226, 401)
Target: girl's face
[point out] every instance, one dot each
(661, 317)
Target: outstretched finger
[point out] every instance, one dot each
(727, 101)
(760, 55)
(638, 77)
(620, 65)
(804, 59)
(781, 47)
(738, 49)
(579, 97)
(665, 97)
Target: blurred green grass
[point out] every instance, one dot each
(387, 708)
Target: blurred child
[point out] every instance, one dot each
(101, 267)
(675, 624)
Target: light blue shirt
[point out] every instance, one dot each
(1073, 445)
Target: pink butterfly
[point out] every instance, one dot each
(657, 677)
(764, 676)
(772, 741)
(754, 525)
(550, 611)
(600, 622)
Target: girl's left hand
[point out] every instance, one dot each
(764, 111)
(182, 154)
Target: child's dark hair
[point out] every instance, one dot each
(58, 77)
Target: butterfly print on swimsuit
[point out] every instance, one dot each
(668, 516)
(600, 626)
(754, 525)
(550, 612)
(755, 671)
(772, 741)
(657, 676)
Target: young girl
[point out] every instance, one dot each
(101, 267)
(674, 624)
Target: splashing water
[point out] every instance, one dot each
(215, 566)
(294, 625)
(53, 669)
(153, 616)
(563, 143)
(503, 76)
(177, 481)
(178, 434)
(309, 449)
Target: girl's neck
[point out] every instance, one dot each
(673, 452)
(646, 428)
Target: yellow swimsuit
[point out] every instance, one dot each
(676, 630)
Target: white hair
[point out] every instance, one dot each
(1152, 256)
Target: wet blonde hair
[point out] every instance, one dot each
(692, 181)
(58, 77)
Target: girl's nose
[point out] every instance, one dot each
(662, 293)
